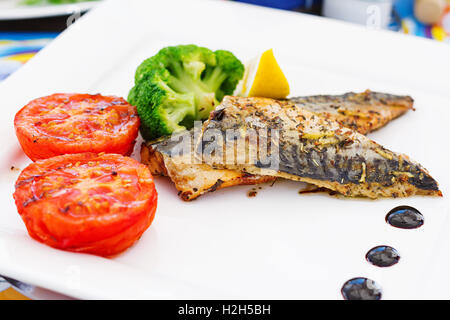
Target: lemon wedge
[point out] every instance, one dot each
(263, 78)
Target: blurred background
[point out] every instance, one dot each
(26, 26)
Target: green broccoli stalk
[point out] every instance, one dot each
(182, 84)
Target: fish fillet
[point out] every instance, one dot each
(305, 147)
(365, 112)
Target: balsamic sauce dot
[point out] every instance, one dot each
(361, 289)
(405, 217)
(383, 256)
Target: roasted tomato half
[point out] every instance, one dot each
(99, 204)
(76, 123)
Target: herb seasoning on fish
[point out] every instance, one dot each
(361, 289)
(309, 148)
(405, 217)
(383, 256)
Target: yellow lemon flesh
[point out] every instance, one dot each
(263, 78)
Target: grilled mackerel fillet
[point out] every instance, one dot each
(365, 112)
(308, 148)
(190, 178)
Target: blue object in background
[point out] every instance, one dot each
(284, 4)
(404, 9)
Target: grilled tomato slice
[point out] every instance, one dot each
(92, 203)
(76, 123)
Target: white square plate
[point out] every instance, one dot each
(226, 245)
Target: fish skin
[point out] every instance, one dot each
(315, 150)
(363, 112)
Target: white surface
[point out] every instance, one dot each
(14, 10)
(226, 245)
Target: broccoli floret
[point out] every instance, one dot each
(182, 84)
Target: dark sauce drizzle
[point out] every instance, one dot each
(405, 217)
(383, 256)
(361, 289)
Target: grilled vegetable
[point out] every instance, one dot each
(76, 123)
(98, 204)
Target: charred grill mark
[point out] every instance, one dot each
(64, 210)
(25, 181)
(30, 200)
(261, 165)
(186, 196)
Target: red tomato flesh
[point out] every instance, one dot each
(76, 123)
(99, 204)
